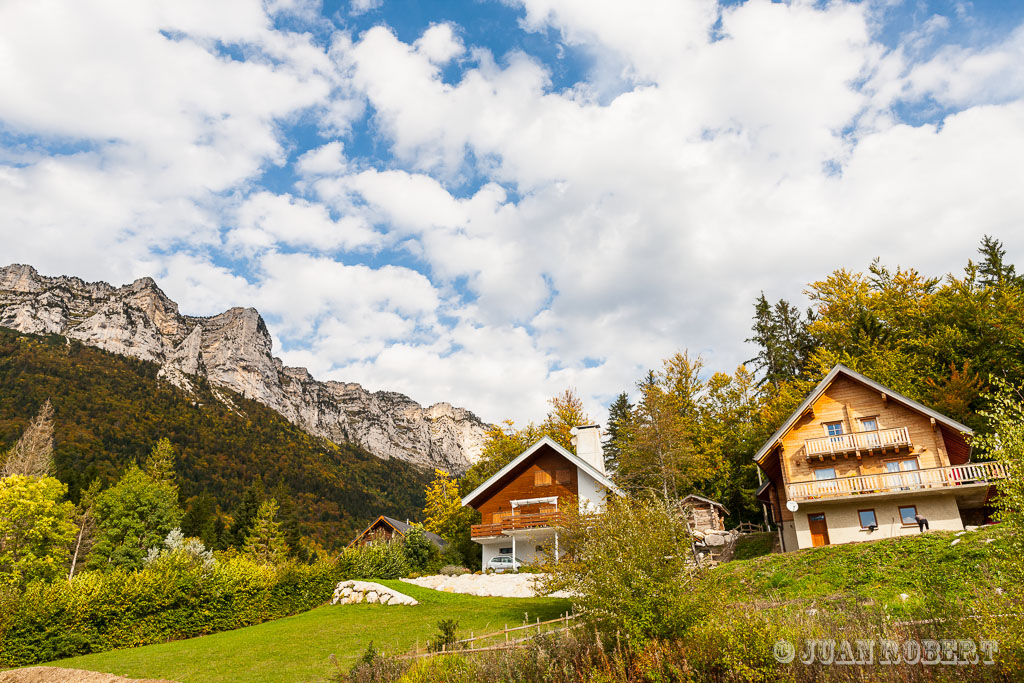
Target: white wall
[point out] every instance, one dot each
(591, 493)
(843, 522)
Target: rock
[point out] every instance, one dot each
(354, 592)
(990, 540)
(904, 597)
(999, 591)
(960, 533)
(714, 539)
(970, 527)
(955, 541)
(233, 350)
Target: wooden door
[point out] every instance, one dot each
(819, 529)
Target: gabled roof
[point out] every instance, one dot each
(706, 500)
(856, 376)
(401, 527)
(544, 441)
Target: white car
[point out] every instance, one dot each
(503, 563)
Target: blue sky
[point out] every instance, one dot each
(487, 202)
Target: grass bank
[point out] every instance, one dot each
(298, 648)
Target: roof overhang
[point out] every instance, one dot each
(840, 369)
(545, 441)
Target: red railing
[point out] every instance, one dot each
(516, 522)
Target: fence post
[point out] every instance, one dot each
(506, 633)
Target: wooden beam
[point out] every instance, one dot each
(885, 399)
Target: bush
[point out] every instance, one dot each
(629, 570)
(375, 561)
(453, 570)
(170, 599)
(420, 552)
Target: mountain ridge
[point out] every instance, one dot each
(233, 350)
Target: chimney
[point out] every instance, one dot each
(587, 440)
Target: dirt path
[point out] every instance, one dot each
(52, 674)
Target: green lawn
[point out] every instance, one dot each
(298, 648)
(919, 566)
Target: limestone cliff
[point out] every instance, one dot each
(233, 350)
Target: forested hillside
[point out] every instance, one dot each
(110, 411)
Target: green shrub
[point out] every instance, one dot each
(420, 552)
(375, 561)
(453, 570)
(167, 600)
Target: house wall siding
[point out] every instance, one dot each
(843, 520)
(846, 400)
(523, 485)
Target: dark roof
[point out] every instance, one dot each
(401, 527)
(706, 500)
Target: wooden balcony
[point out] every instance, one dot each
(844, 444)
(896, 482)
(516, 522)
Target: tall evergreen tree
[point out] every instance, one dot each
(265, 542)
(993, 270)
(160, 461)
(781, 333)
(244, 514)
(620, 417)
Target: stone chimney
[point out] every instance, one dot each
(587, 440)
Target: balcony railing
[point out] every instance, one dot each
(537, 520)
(858, 441)
(914, 480)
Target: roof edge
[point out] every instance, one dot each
(853, 374)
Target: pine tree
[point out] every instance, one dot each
(265, 542)
(994, 270)
(32, 455)
(243, 515)
(620, 417)
(784, 340)
(160, 461)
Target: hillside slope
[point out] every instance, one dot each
(233, 350)
(111, 409)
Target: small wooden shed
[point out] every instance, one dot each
(385, 528)
(705, 514)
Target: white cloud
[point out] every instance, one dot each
(363, 6)
(518, 238)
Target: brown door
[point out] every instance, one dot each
(819, 529)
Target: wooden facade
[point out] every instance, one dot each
(854, 442)
(545, 474)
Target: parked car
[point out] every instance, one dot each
(504, 563)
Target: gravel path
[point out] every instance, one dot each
(52, 674)
(485, 585)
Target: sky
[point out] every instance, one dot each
(486, 202)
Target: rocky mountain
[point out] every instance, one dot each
(233, 350)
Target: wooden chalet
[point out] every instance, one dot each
(858, 461)
(521, 504)
(385, 528)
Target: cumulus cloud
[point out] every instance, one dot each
(463, 229)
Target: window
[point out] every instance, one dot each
(564, 476)
(869, 424)
(821, 473)
(825, 475)
(904, 473)
(908, 513)
(542, 478)
(505, 551)
(867, 518)
(834, 428)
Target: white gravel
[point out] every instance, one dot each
(506, 585)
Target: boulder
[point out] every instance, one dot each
(714, 539)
